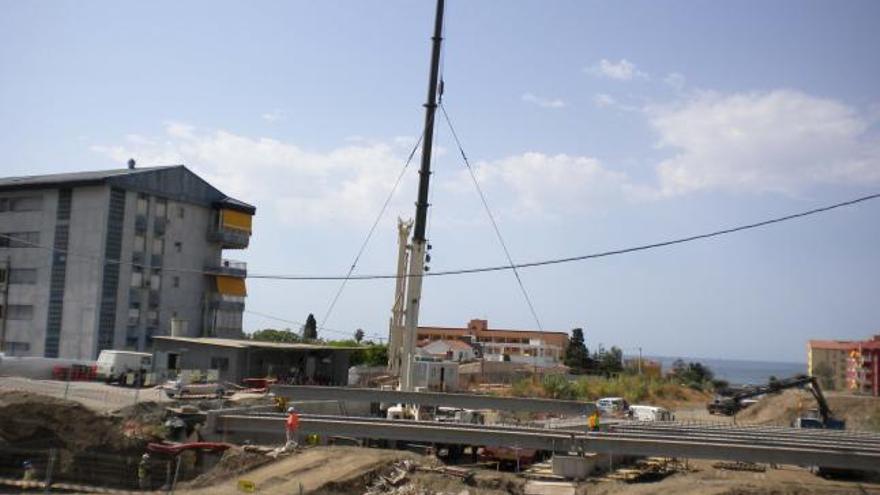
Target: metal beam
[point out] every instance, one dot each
(559, 441)
(466, 401)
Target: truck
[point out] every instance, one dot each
(113, 366)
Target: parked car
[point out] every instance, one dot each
(176, 389)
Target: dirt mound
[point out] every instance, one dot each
(234, 462)
(859, 412)
(37, 421)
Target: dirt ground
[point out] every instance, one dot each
(325, 470)
(704, 479)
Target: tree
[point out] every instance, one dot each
(577, 357)
(610, 361)
(310, 329)
(358, 335)
(273, 335)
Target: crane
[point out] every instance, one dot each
(821, 417)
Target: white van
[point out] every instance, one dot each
(114, 365)
(650, 413)
(613, 406)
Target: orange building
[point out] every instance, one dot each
(535, 347)
(852, 364)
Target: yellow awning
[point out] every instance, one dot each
(231, 286)
(236, 219)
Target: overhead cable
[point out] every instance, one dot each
(369, 236)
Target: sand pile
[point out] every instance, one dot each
(859, 412)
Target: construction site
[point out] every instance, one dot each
(237, 444)
(130, 370)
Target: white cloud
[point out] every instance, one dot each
(781, 141)
(273, 116)
(537, 184)
(346, 184)
(622, 70)
(603, 100)
(542, 101)
(675, 81)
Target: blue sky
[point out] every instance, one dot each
(591, 126)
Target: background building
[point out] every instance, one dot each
(236, 359)
(533, 347)
(106, 259)
(852, 365)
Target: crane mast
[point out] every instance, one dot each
(419, 242)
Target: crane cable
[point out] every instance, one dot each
(476, 183)
(369, 236)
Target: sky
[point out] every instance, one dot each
(590, 126)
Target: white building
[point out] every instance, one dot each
(106, 259)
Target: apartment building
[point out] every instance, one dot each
(533, 347)
(108, 259)
(853, 365)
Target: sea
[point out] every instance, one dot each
(740, 372)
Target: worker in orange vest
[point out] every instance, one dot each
(593, 421)
(292, 424)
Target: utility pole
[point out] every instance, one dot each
(417, 253)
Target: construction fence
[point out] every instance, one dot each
(45, 468)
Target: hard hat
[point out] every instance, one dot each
(26, 464)
(146, 455)
(291, 409)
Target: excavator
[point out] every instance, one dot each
(821, 417)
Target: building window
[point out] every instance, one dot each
(142, 204)
(24, 203)
(2, 275)
(134, 316)
(20, 312)
(24, 276)
(152, 317)
(16, 348)
(19, 239)
(158, 246)
(219, 363)
(155, 280)
(175, 282)
(140, 243)
(137, 278)
(178, 246)
(161, 208)
(180, 212)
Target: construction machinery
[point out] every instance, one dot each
(821, 417)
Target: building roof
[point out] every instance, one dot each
(250, 344)
(497, 331)
(174, 182)
(832, 344)
(451, 344)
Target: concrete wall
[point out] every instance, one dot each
(200, 356)
(82, 282)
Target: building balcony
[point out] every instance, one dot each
(228, 237)
(225, 302)
(231, 268)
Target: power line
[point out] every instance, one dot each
(583, 257)
(372, 230)
(473, 176)
(467, 271)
